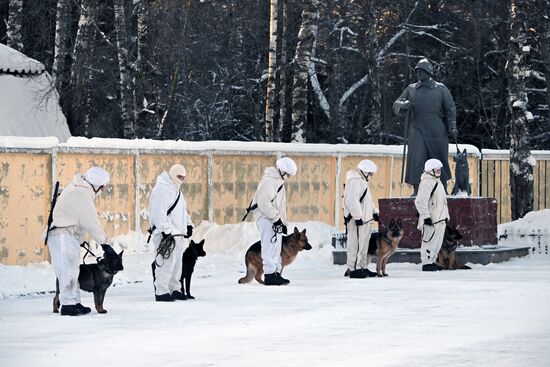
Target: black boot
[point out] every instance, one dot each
(286, 281)
(358, 274)
(370, 274)
(166, 297)
(83, 309)
(70, 310)
(431, 267)
(179, 296)
(273, 279)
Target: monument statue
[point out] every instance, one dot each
(430, 110)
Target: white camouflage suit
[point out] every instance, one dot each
(74, 215)
(163, 196)
(271, 207)
(358, 237)
(434, 208)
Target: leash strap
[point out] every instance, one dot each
(252, 207)
(86, 246)
(433, 225)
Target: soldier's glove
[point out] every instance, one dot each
(376, 217)
(428, 222)
(189, 231)
(284, 229)
(454, 133)
(359, 222)
(278, 226)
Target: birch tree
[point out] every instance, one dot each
(302, 61)
(61, 49)
(271, 70)
(521, 160)
(125, 85)
(15, 25)
(82, 75)
(283, 73)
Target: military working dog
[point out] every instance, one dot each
(292, 244)
(189, 259)
(384, 243)
(96, 278)
(446, 258)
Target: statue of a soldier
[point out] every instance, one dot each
(432, 116)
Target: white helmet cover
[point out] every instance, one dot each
(97, 176)
(432, 164)
(366, 165)
(287, 165)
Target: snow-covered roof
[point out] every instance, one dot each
(13, 61)
(29, 103)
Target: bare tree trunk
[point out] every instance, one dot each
(141, 61)
(162, 127)
(374, 66)
(82, 77)
(163, 122)
(521, 160)
(60, 48)
(283, 72)
(544, 41)
(15, 25)
(271, 71)
(125, 88)
(302, 59)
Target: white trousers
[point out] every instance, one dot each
(168, 271)
(432, 240)
(65, 254)
(357, 246)
(271, 251)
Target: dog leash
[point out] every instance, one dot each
(165, 251)
(86, 246)
(433, 225)
(357, 255)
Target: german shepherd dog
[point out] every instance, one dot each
(447, 255)
(292, 244)
(462, 173)
(189, 259)
(96, 278)
(384, 243)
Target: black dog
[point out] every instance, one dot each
(96, 277)
(462, 173)
(189, 259)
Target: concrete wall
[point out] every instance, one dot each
(221, 180)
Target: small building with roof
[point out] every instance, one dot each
(29, 102)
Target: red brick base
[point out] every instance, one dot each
(475, 219)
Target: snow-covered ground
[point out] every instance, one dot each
(495, 315)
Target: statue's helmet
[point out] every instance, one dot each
(425, 65)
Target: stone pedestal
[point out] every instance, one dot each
(475, 219)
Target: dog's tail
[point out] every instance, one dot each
(250, 274)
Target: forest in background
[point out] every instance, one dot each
(293, 70)
(123, 67)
